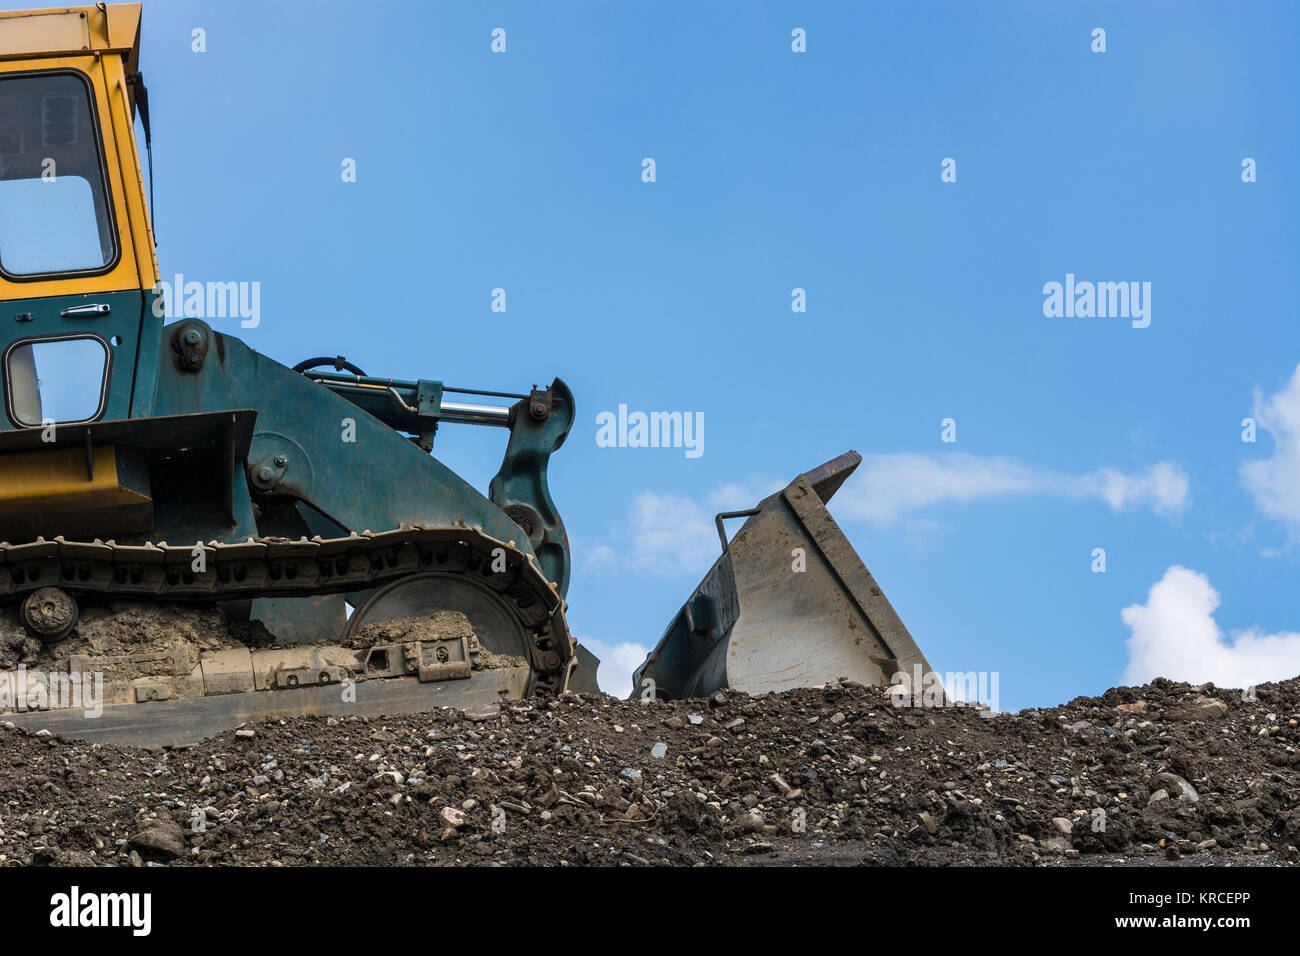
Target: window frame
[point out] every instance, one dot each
(109, 207)
(57, 337)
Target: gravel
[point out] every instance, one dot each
(1165, 773)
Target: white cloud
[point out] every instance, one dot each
(670, 534)
(1162, 488)
(617, 662)
(1174, 635)
(601, 557)
(1274, 482)
(887, 488)
(674, 535)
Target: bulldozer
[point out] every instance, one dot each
(194, 536)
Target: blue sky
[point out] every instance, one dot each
(817, 170)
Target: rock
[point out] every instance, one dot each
(160, 837)
(1064, 825)
(245, 732)
(659, 750)
(1185, 789)
(1158, 796)
(631, 773)
(695, 718)
(1200, 708)
(452, 817)
(928, 821)
(1056, 845)
(1137, 707)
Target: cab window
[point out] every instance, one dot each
(55, 217)
(60, 379)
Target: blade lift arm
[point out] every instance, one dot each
(538, 423)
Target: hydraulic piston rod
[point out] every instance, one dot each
(371, 392)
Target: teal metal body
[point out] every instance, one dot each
(323, 457)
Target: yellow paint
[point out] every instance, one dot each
(68, 30)
(39, 40)
(56, 479)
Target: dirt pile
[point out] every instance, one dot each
(439, 625)
(1155, 774)
(112, 629)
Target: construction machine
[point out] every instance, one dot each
(143, 463)
(194, 535)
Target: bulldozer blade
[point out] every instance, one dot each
(788, 604)
(582, 680)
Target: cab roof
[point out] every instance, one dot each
(65, 31)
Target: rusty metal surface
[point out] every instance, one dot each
(788, 604)
(583, 678)
(173, 723)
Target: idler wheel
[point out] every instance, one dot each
(49, 614)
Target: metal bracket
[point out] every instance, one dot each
(440, 659)
(722, 516)
(428, 411)
(540, 402)
(190, 344)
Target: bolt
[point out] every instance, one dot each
(265, 473)
(281, 461)
(192, 337)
